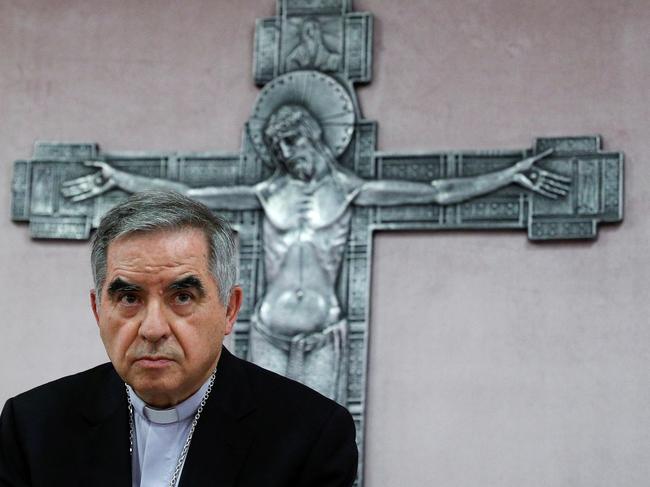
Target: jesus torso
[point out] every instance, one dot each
(305, 230)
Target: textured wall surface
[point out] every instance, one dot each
(493, 361)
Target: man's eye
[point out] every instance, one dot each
(128, 299)
(183, 298)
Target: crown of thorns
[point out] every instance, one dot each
(276, 127)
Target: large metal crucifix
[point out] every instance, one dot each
(308, 189)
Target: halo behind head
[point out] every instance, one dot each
(321, 96)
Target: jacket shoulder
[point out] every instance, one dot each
(302, 438)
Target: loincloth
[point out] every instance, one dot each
(300, 345)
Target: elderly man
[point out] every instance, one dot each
(173, 407)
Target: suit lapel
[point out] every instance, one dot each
(219, 445)
(225, 429)
(104, 454)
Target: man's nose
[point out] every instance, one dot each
(154, 326)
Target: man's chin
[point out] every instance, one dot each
(155, 391)
(143, 375)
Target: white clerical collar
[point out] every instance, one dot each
(180, 412)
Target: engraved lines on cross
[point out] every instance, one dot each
(288, 7)
(247, 224)
(596, 192)
(505, 208)
(612, 197)
(598, 182)
(363, 152)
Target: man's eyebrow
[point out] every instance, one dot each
(188, 283)
(118, 285)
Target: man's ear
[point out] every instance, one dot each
(232, 310)
(94, 304)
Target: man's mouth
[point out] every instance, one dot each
(153, 362)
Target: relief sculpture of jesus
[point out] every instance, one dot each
(298, 327)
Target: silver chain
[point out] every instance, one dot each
(186, 446)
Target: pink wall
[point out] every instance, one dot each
(493, 361)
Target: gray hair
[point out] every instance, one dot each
(152, 211)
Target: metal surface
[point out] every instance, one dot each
(308, 189)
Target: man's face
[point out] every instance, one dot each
(298, 154)
(160, 316)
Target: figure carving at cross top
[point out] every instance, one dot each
(311, 51)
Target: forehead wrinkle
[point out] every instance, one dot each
(161, 244)
(170, 253)
(154, 261)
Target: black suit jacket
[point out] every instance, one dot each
(258, 429)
